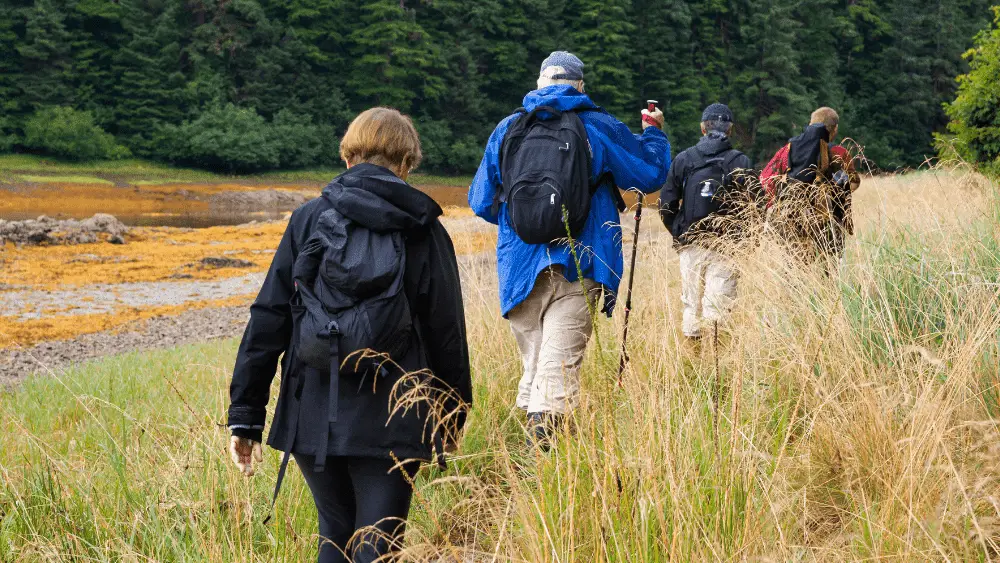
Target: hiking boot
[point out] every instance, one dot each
(542, 427)
(691, 345)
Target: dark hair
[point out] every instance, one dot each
(716, 126)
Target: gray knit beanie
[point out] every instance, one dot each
(571, 64)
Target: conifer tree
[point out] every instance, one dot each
(143, 68)
(150, 86)
(394, 62)
(665, 68)
(768, 96)
(11, 100)
(46, 60)
(602, 35)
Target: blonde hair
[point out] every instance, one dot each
(828, 117)
(384, 137)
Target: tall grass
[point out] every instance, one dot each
(854, 421)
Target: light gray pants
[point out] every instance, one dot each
(552, 327)
(708, 287)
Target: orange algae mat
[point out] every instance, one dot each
(152, 254)
(18, 332)
(163, 254)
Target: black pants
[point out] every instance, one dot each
(355, 493)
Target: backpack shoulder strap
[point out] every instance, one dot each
(825, 160)
(515, 125)
(731, 155)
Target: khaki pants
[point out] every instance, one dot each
(708, 287)
(552, 327)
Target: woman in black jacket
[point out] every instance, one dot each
(345, 436)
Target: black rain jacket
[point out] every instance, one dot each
(366, 425)
(687, 163)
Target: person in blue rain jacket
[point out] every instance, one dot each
(541, 295)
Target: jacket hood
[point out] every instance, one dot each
(812, 133)
(562, 97)
(375, 198)
(713, 144)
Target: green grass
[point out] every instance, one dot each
(66, 179)
(123, 441)
(856, 422)
(142, 172)
(134, 168)
(160, 181)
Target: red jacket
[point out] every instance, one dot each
(778, 167)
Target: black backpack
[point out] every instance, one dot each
(350, 313)
(809, 155)
(545, 166)
(705, 186)
(350, 298)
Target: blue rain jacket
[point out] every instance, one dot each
(635, 161)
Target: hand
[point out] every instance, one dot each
(244, 453)
(842, 179)
(610, 301)
(652, 118)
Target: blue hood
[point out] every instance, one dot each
(563, 97)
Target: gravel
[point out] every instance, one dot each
(163, 332)
(263, 199)
(106, 298)
(46, 230)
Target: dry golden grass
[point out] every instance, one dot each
(846, 429)
(855, 421)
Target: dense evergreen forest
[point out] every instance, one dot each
(259, 84)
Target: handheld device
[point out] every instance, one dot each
(651, 106)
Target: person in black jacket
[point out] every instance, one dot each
(699, 194)
(349, 464)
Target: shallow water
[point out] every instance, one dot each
(154, 206)
(192, 219)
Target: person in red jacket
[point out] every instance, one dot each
(811, 159)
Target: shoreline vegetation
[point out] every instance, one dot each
(148, 194)
(137, 172)
(857, 421)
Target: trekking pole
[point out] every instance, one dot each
(628, 296)
(624, 358)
